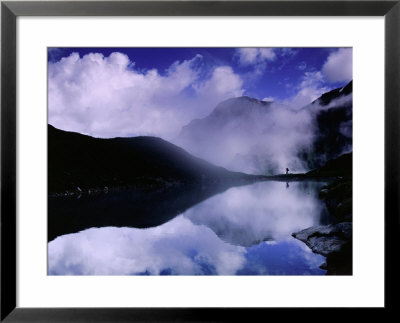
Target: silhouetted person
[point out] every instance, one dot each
(287, 170)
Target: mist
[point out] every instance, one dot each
(244, 216)
(258, 137)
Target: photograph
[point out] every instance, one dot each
(199, 161)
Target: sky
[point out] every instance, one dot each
(109, 92)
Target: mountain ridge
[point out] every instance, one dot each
(79, 162)
(262, 137)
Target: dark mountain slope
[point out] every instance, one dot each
(341, 166)
(233, 135)
(81, 163)
(143, 181)
(258, 137)
(328, 97)
(230, 117)
(333, 126)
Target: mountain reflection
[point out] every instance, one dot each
(220, 236)
(125, 208)
(246, 215)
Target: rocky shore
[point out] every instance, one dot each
(334, 241)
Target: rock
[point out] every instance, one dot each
(333, 241)
(344, 210)
(326, 239)
(323, 192)
(338, 200)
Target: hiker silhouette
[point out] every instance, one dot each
(287, 171)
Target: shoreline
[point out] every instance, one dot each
(334, 241)
(160, 184)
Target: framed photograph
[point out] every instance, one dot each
(188, 160)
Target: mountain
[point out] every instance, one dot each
(258, 137)
(232, 114)
(333, 124)
(83, 164)
(341, 166)
(237, 135)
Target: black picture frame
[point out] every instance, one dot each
(10, 10)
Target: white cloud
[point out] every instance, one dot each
(256, 57)
(302, 66)
(339, 66)
(311, 78)
(288, 52)
(106, 97)
(250, 56)
(310, 88)
(269, 99)
(222, 83)
(267, 53)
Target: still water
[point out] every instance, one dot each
(240, 231)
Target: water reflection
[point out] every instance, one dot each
(264, 211)
(243, 231)
(126, 208)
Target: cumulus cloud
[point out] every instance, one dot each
(339, 66)
(107, 97)
(223, 83)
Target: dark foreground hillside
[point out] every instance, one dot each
(83, 164)
(136, 182)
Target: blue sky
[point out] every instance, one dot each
(130, 91)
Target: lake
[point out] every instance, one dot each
(243, 230)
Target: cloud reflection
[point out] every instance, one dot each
(247, 215)
(191, 243)
(177, 247)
